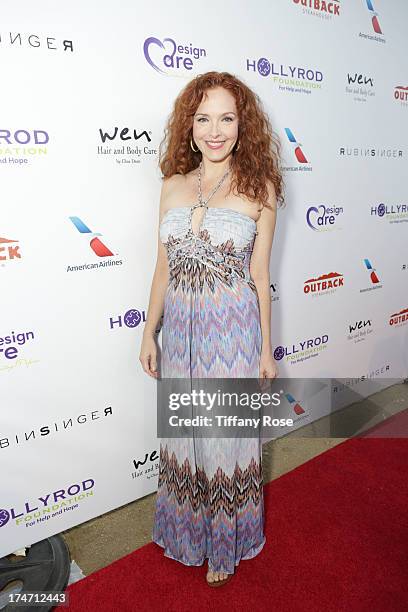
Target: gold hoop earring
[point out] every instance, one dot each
(236, 148)
(191, 145)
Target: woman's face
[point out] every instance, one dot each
(215, 124)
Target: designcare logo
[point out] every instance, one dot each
(375, 281)
(326, 8)
(48, 506)
(10, 350)
(324, 284)
(168, 56)
(323, 218)
(398, 319)
(302, 162)
(9, 250)
(294, 79)
(97, 246)
(303, 350)
(394, 213)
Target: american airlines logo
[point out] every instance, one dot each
(98, 247)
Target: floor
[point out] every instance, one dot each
(100, 541)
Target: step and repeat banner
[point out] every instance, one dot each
(87, 89)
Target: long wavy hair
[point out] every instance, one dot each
(253, 164)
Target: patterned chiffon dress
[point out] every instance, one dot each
(210, 491)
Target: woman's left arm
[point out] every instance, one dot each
(259, 270)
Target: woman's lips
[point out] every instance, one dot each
(214, 145)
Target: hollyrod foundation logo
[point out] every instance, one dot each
(18, 146)
(399, 319)
(295, 79)
(48, 506)
(303, 350)
(9, 250)
(324, 284)
(168, 56)
(97, 246)
(132, 318)
(322, 8)
(298, 153)
(323, 218)
(393, 213)
(375, 23)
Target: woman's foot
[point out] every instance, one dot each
(217, 578)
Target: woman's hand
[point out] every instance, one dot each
(148, 355)
(267, 368)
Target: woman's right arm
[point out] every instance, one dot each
(148, 349)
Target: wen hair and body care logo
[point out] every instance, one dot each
(360, 86)
(359, 330)
(129, 146)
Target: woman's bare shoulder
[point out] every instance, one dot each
(172, 191)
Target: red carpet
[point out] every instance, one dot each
(337, 540)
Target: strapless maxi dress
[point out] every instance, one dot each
(210, 500)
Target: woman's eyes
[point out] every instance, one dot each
(201, 119)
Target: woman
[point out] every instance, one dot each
(212, 280)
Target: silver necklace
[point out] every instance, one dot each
(218, 185)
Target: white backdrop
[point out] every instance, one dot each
(85, 98)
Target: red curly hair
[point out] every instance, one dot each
(257, 160)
